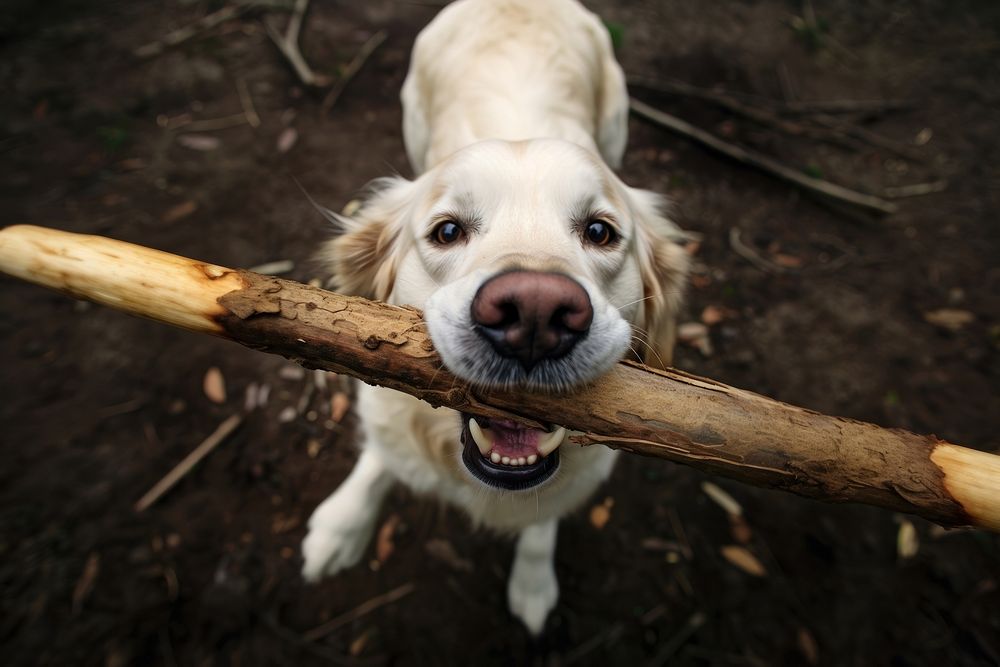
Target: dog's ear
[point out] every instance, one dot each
(664, 267)
(362, 257)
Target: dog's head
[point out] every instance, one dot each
(536, 267)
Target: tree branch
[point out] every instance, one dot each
(665, 414)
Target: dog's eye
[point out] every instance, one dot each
(447, 232)
(599, 233)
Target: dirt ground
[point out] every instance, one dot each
(844, 318)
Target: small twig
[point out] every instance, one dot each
(203, 24)
(770, 165)
(352, 68)
(123, 408)
(687, 631)
(915, 190)
(182, 35)
(869, 137)
(209, 444)
(755, 113)
(680, 533)
(320, 651)
(846, 106)
(212, 124)
(246, 101)
(749, 254)
(608, 636)
(362, 609)
(288, 45)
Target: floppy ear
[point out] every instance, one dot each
(664, 266)
(361, 257)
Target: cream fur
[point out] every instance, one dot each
(509, 108)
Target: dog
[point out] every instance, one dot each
(536, 267)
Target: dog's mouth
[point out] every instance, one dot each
(508, 455)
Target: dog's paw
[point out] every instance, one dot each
(532, 593)
(336, 541)
(328, 552)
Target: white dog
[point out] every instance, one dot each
(535, 265)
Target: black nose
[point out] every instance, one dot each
(531, 316)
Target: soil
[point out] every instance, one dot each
(98, 406)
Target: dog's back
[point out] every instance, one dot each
(513, 70)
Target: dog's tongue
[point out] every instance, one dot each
(514, 440)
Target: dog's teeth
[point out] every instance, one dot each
(521, 461)
(482, 440)
(531, 459)
(495, 457)
(548, 444)
(505, 460)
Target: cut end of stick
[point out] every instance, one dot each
(972, 478)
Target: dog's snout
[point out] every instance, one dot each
(531, 316)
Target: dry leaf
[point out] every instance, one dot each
(807, 645)
(214, 385)
(85, 584)
(339, 405)
(907, 543)
(699, 281)
(695, 334)
(601, 514)
(787, 261)
(199, 142)
(444, 551)
(744, 560)
(359, 643)
(313, 448)
(712, 315)
(131, 164)
(951, 319)
(287, 139)
(179, 212)
(282, 524)
(722, 499)
(384, 545)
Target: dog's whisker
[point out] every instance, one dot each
(626, 305)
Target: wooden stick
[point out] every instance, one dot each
(206, 447)
(770, 165)
(665, 414)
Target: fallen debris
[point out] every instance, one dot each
(351, 70)
(288, 45)
(207, 446)
(214, 385)
(764, 163)
(744, 560)
(363, 609)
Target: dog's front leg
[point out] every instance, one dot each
(533, 590)
(342, 526)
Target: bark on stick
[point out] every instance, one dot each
(663, 414)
